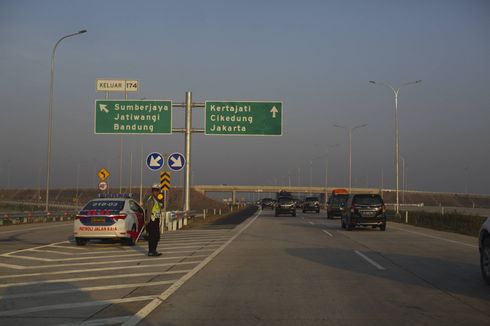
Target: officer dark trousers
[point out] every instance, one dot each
(153, 235)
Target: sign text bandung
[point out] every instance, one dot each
(150, 117)
(243, 118)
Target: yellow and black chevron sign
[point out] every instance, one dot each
(164, 181)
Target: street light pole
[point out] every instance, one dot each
(50, 114)
(349, 131)
(397, 123)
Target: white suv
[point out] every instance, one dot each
(484, 246)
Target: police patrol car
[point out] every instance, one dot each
(111, 216)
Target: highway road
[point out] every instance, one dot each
(268, 270)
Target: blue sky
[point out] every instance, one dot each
(315, 56)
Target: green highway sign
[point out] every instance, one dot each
(144, 117)
(243, 118)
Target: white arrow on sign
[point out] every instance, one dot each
(103, 108)
(154, 161)
(176, 162)
(274, 111)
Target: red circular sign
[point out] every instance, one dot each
(103, 186)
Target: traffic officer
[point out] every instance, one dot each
(153, 211)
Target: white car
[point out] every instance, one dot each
(111, 217)
(484, 246)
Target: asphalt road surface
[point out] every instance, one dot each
(268, 270)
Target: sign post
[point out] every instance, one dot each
(154, 117)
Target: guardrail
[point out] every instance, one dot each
(175, 220)
(34, 217)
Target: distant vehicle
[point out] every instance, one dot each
(336, 203)
(298, 203)
(285, 205)
(484, 248)
(364, 210)
(113, 217)
(311, 204)
(268, 203)
(283, 193)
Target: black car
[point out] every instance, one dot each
(285, 205)
(268, 203)
(311, 204)
(364, 210)
(336, 205)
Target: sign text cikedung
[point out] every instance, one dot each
(243, 118)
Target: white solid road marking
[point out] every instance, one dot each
(122, 254)
(99, 262)
(145, 311)
(101, 322)
(74, 305)
(85, 289)
(27, 249)
(11, 266)
(90, 278)
(369, 260)
(52, 252)
(73, 271)
(434, 237)
(326, 232)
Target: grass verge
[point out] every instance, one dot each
(450, 222)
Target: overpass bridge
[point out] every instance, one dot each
(234, 189)
(428, 198)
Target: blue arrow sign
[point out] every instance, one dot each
(176, 161)
(155, 161)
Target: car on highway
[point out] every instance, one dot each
(298, 203)
(364, 210)
(115, 216)
(484, 248)
(268, 203)
(285, 205)
(336, 206)
(311, 204)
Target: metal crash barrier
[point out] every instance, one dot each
(34, 217)
(174, 220)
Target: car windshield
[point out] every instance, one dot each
(113, 205)
(368, 200)
(339, 200)
(285, 200)
(311, 199)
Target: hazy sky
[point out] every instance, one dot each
(315, 56)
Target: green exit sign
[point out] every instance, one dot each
(144, 117)
(243, 118)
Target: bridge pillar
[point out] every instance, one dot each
(233, 197)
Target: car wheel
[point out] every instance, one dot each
(382, 227)
(485, 260)
(81, 241)
(294, 214)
